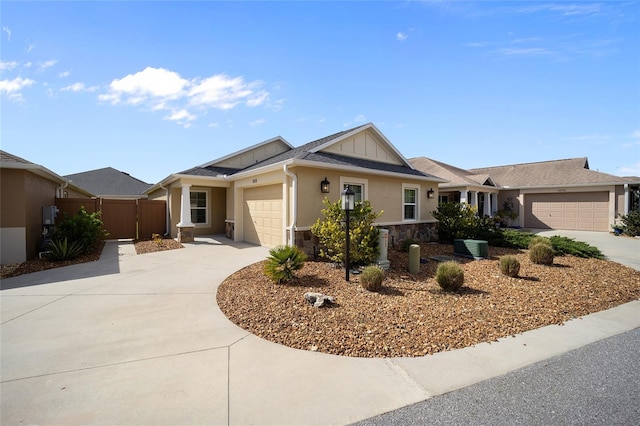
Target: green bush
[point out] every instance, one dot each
(541, 254)
(565, 245)
(405, 244)
(460, 220)
(450, 276)
(85, 228)
(631, 223)
(363, 243)
(371, 278)
(63, 249)
(283, 262)
(509, 266)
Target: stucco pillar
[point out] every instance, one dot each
(474, 198)
(494, 203)
(463, 196)
(185, 226)
(487, 203)
(626, 199)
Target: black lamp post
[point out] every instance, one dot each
(348, 201)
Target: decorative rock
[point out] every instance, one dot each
(318, 300)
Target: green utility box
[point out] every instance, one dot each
(477, 249)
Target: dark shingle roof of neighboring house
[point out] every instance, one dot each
(454, 175)
(210, 171)
(572, 171)
(109, 182)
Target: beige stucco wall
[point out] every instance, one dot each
(217, 204)
(384, 193)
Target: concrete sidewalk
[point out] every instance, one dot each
(140, 340)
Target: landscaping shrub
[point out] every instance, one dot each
(283, 262)
(565, 245)
(540, 240)
(405, 244)
(541, 254)
(63, 249)
(85, 228)
(631, 223)
(460, 220)
(450, 276)
(509, 266)
(371, 278)
(363, 248)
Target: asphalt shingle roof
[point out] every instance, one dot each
(109, 181)
(572, 171)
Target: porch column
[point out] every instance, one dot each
(487, 204)
(185, 226)
(626, 198)
(463, 196)
(494, 203)
(474, 198)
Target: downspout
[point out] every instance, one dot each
(60, 189)
(294, 218)
(167, 225)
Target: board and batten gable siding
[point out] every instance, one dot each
(365, 145)
(255, 155)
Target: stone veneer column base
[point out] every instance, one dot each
(185, 235)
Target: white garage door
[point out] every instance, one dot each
(582, 211)
(262, 215)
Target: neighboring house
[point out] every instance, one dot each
(559, 194)
(270, 193)
(463, 186)
(27, 188)
(110, 183)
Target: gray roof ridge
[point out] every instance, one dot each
(530, 163)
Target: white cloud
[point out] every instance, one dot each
(7, 30)
(632, 170)
(8, 65)
(257, 122)
(30, 47)
(162, 89)
(48, 64)
(64, 74)
(14, 86)
(213, 125)
(79, 87)
(402, 36)
(531, 51)
(565, 9)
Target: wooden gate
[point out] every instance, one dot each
(122, 219)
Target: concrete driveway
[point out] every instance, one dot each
(139, 339)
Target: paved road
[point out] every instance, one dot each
(598, 384)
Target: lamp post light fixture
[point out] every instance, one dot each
(324, 186)
(348, 203)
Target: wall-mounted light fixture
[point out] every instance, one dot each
(430, 193)
(324, 186)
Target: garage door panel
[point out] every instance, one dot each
(573, 211)
(262, 215)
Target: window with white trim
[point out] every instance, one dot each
(198, 207)
(409, 203)
(357, 185)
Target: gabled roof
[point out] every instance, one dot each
(109, 182)
(310, 154)
(454, 176)
(10, 161)
(572, 171)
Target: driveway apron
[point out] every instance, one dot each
(139, 339)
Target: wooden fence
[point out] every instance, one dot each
(122, 218)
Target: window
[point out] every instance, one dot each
(443, 199)
(198, 207)
(357, 189)
(410, 204)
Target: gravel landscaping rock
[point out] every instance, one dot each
(411, 316)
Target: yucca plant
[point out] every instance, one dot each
(371, 278)
(450, 276)
(64, 250)
(283, 262)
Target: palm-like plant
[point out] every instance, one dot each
(283, 262)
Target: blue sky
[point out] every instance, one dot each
(154, 88)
